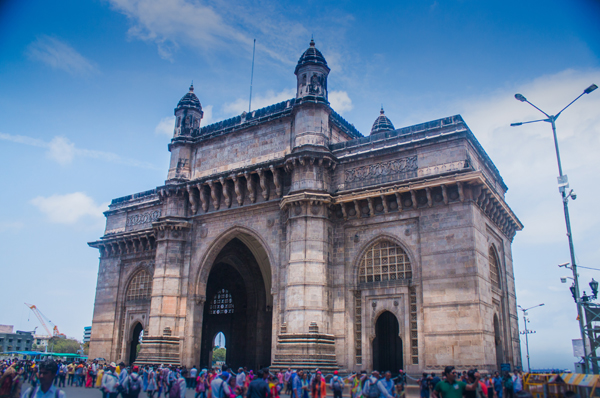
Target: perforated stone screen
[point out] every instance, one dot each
(384, 261)
(222, 303)
(140, 287)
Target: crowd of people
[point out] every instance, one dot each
(46, 378)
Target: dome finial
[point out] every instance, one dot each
(381, 112)
(312, 41)
(192, 87)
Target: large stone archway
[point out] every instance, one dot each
(239, 305)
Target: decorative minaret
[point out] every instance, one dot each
(307, 338)
(188, 115)
(311, 74)
(382, 123)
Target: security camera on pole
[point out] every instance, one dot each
(563, 184)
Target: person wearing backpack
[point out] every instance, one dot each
(219, 388)
(110, 382)
(133, 383)
(179, 387)
(337, 385)
(47, 373)
(370, 389)
(508, 386)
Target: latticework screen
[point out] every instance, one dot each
(140, 287)
(384, 261)
(222, 303)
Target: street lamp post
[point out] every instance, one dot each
(563, 184)
(527, 332)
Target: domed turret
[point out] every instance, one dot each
(311, 74)
(189, 114)
(382, 123)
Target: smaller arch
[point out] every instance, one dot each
(139, 287)
(494, 265)
(136, 335)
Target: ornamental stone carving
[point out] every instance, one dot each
(391, 167)
(143, 218)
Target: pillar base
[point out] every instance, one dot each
(159, 350)
(305, 351)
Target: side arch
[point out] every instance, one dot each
(255, 243)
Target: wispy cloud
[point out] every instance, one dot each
(260, 101)
(214, 24)
(59, 55)
(69, 208)
(340, 101)
(61, 150)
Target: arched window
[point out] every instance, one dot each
(494, 267)
(222, 303)
(140, 287)
(384, 261)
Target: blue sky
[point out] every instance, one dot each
(87, 91)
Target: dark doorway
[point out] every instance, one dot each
(135, 342)
(498, 343)
(387, 345)
(236, 305)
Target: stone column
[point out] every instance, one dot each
(168, 308)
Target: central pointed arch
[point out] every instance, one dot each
(254, 242)
(235, 280)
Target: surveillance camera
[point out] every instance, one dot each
(563, 280)
(564, 265)
(573, 196)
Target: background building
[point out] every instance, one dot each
(309, 245)
(19, 341)
(87, 332)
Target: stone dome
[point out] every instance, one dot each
(189, 101)
(382, 123)
(311, 56)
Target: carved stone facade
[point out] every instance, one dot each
(309, 245)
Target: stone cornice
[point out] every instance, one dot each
(125, 243)
(312, 198)
(482, 193)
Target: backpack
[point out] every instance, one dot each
(508, 384)
(134, 390)
(175, 391)
(337, 387)
(373, 390)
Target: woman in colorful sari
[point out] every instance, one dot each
(89, 378)
(100, 376)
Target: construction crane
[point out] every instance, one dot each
(41, 317)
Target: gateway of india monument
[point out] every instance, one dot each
(310, 245)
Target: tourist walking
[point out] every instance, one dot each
(202, 385)
(133, 384)
(296, 382)
(110, 382)
(452, 388)
(219, 386)
(46, 374)
(318, 386)
(424, 385)
(337, 385)
(258, 388)
(386, 386)
(151, 385)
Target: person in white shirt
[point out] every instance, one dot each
(46, 389)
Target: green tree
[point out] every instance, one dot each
(86, 348)
(63, 346)
(219, 354)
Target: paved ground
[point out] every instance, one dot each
(80, 392)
